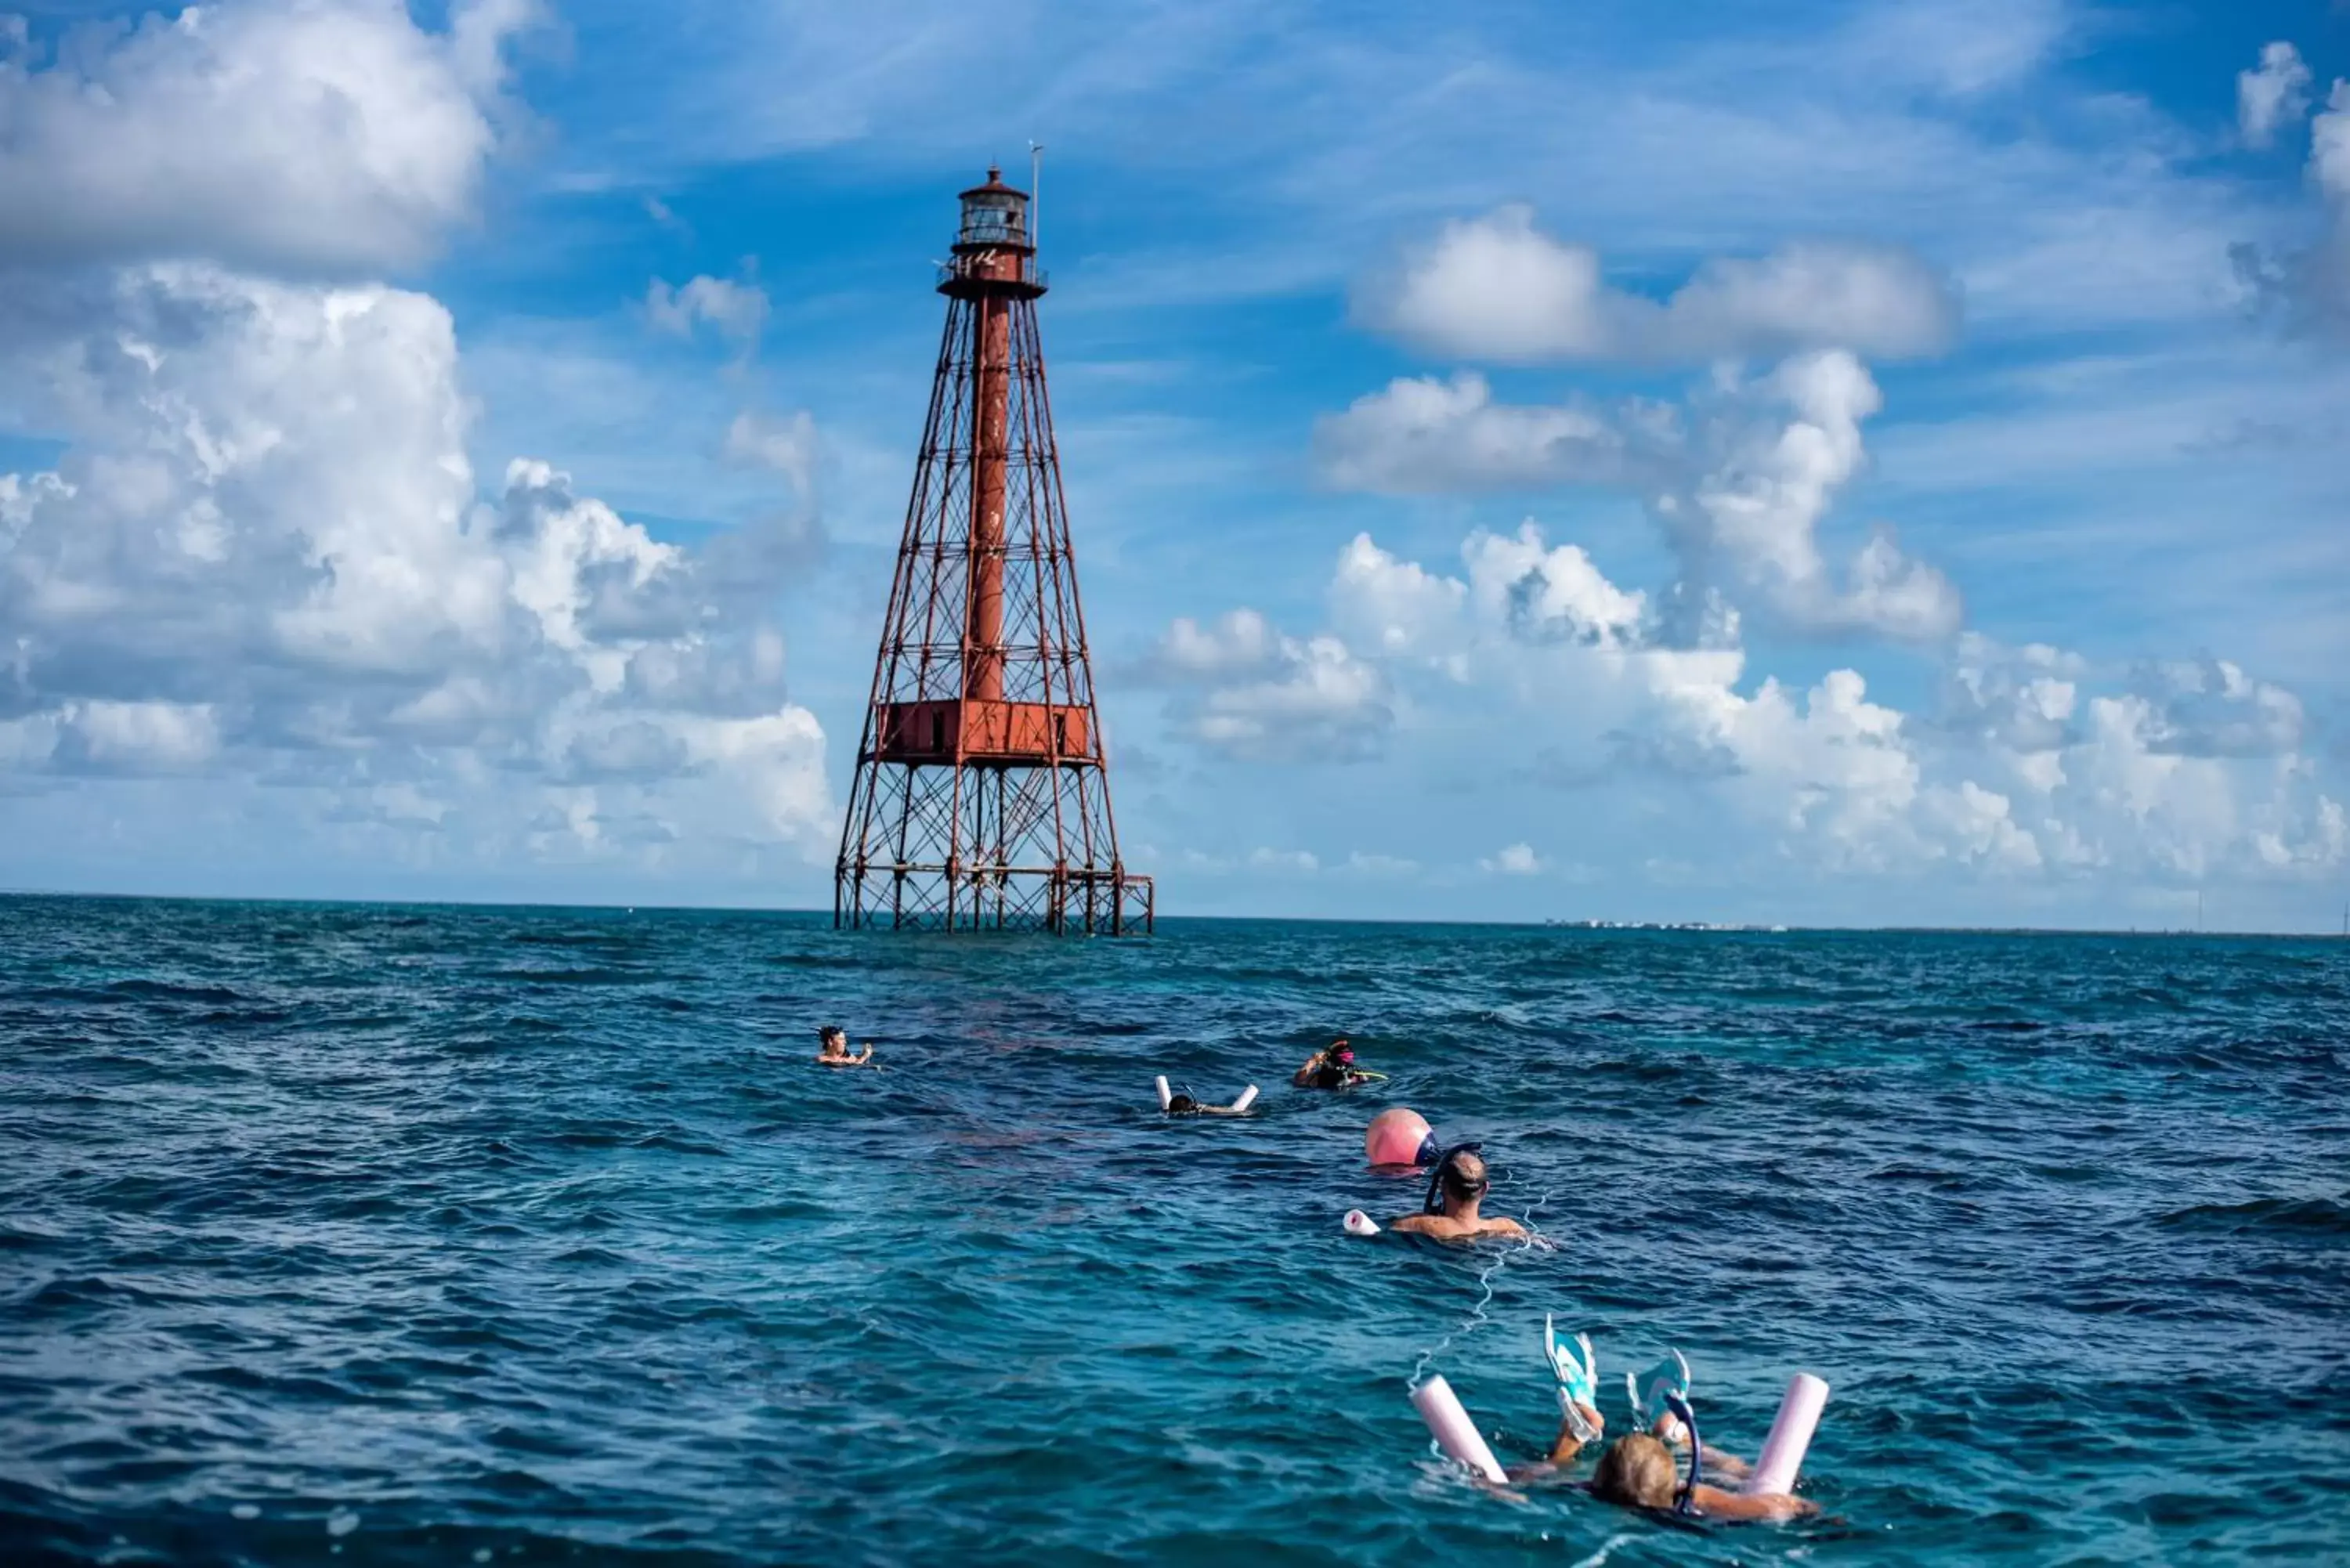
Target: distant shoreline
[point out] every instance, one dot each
(1581, 927)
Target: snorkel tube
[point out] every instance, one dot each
(1680, 1408)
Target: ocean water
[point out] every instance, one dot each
(386, 1234)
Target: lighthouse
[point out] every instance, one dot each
(981, 794)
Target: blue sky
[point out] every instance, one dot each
(1832, 464)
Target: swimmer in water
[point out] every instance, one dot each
(1185, 1105)
(1638, 1470)
(833, 1051)
(1330, 1068)
(1454, 1193)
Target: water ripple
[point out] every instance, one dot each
(348, 1234)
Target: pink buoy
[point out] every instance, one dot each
(1790, 1434)
(1395, 1136)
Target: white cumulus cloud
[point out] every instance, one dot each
(311, 135)
(2034, 766)
(1423, 435)
(1512, 860)
(737, 312)
(1740, 482)
(262, 558)
(1498, 289)
(1750, 519)
(2276, 91)
(1256, 694)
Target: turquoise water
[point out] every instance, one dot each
(346, 1234)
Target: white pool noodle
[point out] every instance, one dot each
(1165, 1098)
(1790, 1434)
(1454, 1432)
(1247, 1098)
(1358, 1223)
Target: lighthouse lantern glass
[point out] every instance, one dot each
(993, 218)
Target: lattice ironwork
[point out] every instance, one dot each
(982, 796)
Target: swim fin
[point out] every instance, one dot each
(1578, 1381)
(1648, 1389)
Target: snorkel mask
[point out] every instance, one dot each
(1434, 1202)
(1578, 1381)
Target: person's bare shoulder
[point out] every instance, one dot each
(1716, 1503)
(1419, 1224)
(1500, 1227)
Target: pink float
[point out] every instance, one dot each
(1790, 1434)
(1454, 1432)
(1395, 1136)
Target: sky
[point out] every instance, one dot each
(1839, 464)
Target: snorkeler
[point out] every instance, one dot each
(833, 1051)
(1185, 1105)
(1455, 1191)
(1175, 1105)
(1639, 1470)
(1333, 1067)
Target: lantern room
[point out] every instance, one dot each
(995, 215)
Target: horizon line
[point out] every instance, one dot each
(1580, 924)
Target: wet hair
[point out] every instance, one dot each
(1464, 1176)
(1637, 1469)
(830, 1032)
(1181, 1105)
(1455, 1176)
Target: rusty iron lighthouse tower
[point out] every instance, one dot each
(982, 798)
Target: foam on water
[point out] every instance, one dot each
(386, 1234)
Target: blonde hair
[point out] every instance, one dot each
(1637, 1469)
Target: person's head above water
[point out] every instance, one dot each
(1636, 1470)
(1341, 1051)
(1458, 1183)
(1181, 1105)
(1464, 1177)
(832, 1039)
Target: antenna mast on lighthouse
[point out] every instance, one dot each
(982, 796)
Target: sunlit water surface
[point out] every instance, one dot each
(357, 1234)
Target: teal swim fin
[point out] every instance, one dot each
(1578, 1381)
(1648, 1389)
